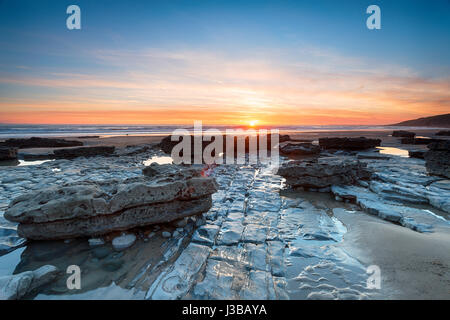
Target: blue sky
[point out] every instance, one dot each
(225, 58)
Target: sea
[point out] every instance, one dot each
(26, 131)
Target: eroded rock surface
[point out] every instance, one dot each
(17, 286)
(323, 172)
(93, 208)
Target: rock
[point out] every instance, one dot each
(299, 149)
(36, 142)
(83, 152)
(418, 140)
(176, 282)
(419, 220)
(403, 134)
(166, 234)
(443, 133)
(167, 144)
(17, 286)
(124, 241)
(349, 143)
(7, 154)
(94, 242)
(419, 154)
(438, 158)
(323, 172)
(284, 138)
(91, 209)
(72, 153)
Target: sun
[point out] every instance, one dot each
(253, 123)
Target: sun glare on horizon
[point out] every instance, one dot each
(253, 123)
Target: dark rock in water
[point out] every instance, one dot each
(86, 209)
(419, 154)
(83, 152)
(300, 149)
(443, 133)
(88, 137)
(323, 172)
(36, 142)
(403, 134)
(418, 140)
(7, 154)
(360, 143)
(438, 158)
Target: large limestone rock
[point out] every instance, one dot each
(438, 158)
(73, 153)
(7, 154)
(349, 143)
(323, 173)
(299, 149)
(17, 286)
(36, 142)
(83, 152)
(95, 208)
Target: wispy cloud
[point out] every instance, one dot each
(305, 86)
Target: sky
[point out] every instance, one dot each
(223, 62)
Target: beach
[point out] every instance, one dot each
(260, 239)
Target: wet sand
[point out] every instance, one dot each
(413, 265)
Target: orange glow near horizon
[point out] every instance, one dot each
(237, 92)
(180, 117)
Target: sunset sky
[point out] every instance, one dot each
(223, 62)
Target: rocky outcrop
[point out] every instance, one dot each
(88, 208)
(418, 140)
(360, 143)
(299, 149)
(443, 133)
(17, 286)
(36, 142)
(7, 154)
(72, 153)
(167, 144)
(83, 152)
(323, 173)
(438, 158)
(403, 134)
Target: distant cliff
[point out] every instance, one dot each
(441, 121)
